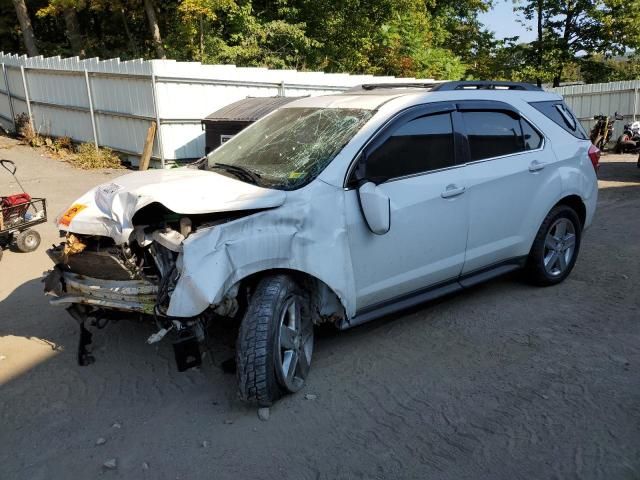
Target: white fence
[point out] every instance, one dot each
(603, 98)
(112, 103)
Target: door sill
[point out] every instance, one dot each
(417, 297)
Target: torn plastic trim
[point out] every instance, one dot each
(127, 295)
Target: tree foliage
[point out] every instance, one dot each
(441, 39)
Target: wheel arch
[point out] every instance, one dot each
(573, 200)
(577, 204)
(325, 303)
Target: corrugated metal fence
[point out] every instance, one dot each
(112, 103)
(603, 98)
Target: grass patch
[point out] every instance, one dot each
(88, 157)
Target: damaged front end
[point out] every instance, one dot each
(99, 281)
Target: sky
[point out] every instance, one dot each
(502, 20)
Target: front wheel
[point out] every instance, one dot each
(555, 248)
(275, 343)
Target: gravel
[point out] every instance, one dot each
(503, 381)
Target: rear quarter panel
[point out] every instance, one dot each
(571, 165)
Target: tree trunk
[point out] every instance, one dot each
(132, 42)
(150, 10)
(201, 38)
(540, 47)
(25, 26)
(565, 54)
(73, 31)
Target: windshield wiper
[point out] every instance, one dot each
(242, 173)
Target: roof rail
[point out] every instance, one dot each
(373, 86)
(486, 85)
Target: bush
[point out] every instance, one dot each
(84, 156)
(88, 157)
(26, 132)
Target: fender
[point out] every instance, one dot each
(300, 235)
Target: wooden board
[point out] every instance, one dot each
(148, 147)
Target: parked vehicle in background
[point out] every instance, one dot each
(602, 131)
(335, 209)
(629, 141)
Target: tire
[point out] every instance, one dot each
(28, 241)
(543, 267)
(275, 342)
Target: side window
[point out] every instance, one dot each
(493, 134)
(420, 145)
(562, 116)
(532, 139)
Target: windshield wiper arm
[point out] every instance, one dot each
(240, 172)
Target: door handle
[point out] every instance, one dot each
(536, 166)
(452, 190)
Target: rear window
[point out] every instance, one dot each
(558, 111)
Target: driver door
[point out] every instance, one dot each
(413, 162)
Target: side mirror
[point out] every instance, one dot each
(376, 208)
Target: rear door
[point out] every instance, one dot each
(509, 178)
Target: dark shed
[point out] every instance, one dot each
(223, 124)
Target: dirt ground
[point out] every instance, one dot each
(505, 381)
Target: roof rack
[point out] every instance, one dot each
(486, 85)
(374, 86)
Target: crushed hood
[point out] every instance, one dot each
(108, 209)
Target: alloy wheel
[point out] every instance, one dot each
(294, 346)
(559, 247)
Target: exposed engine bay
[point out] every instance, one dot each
(101, 281)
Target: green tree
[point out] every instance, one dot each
(568, 28)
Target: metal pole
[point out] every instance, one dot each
(26, 96)
(91, 112)
(281, 89)
(636, 103)
(158, 124)
(6, 83)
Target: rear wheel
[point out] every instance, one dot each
(28, 241)
(555, 248)
(275, 343)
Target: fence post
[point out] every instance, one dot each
(636, 103)
(281, 90)
(93, 117)
(156, 108)
(26, 96)
(6, 82)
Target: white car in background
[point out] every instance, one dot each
(333, 209)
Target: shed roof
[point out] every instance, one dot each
(249, 109)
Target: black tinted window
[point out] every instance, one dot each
(562, 115)
(493, 134)
(419, 145)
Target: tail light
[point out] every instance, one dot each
(594, 156)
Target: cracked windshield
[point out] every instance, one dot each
(290, 147)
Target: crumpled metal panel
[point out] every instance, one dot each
(108, 209)
(303, 235)
(306, 233)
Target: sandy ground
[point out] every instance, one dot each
(505, 381)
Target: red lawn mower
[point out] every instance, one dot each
(18, 213)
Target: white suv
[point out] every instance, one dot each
(333, 209)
